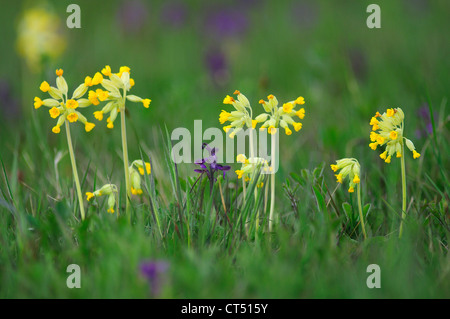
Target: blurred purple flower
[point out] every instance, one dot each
(132, 15)
(426, 125)
(174, 14)
(154, 272)
(216, 63)
(225, 22)
(209, 166)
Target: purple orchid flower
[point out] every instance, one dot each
(209, 166)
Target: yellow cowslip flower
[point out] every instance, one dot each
(283, 116)
(37, 103)
(349, 167)
(72, 117)
(44, 86)
(387, 129)
(106, 70)
(250, 167)
(40, 34)
(137, 168)
(242, 116)
(61, 107)
(72, 104)
(108, 189)
(115, 88)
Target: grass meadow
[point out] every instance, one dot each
(199, 238)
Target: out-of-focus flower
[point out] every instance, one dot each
(426, 128)
(390, 133)
(110, 190)
(225, 21)
(132, 15)
(40, 35)
(209, 165)
(154, 271)
(216, 63)
(174, 14)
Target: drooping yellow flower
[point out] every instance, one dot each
(98, 115)
(106, 70)
(109, 190)
(349, 167)
(59, 72)
(37, 102)
(146, 103)
(89, 126)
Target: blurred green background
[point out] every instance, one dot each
(186, 56)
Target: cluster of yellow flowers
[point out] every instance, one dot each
(61, 106)
(387, 129)
(282, 116)
(273, 118)
(349, 168)
(117, 82)
(114, 94)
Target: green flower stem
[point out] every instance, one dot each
(403, 190)
(74, 170)
(272, 200)
(125, 155)
(361, 217)
(252, 155)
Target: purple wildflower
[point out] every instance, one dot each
(174, 14)
(154, 272)
(209, 165)
(132, 15)
(216, 63)
(426, 125)
(226, 22)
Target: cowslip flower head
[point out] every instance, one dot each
(349, 167)
(114, 93)
(242, 116)
(60, 106)
(136, 169)
(109, 190)
(251, 166)
(387, 130)
(281, 116)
